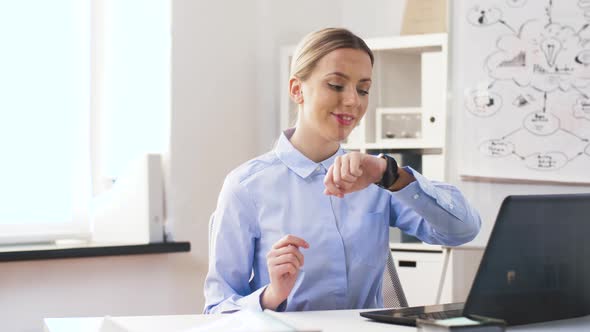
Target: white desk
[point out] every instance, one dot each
(327, 321)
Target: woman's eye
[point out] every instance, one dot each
(336, 87)
(362, 92)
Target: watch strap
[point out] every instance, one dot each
(391, 172)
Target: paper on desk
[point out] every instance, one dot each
(299, 327)
(111, 325)
(245, 321)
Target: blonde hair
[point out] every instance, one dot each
(317, 44)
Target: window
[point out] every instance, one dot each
(135, 82)
(44, 111)
(58, 58)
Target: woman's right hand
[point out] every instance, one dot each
(283, 261)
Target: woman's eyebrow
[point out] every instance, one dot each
(343, 75)
(337, 73)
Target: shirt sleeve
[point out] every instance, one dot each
(434, 212)
(232, 239)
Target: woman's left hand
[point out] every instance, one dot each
(352, 172)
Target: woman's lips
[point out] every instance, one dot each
(344, 119)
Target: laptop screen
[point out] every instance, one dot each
(537, 263)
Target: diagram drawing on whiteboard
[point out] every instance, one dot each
(527, 99)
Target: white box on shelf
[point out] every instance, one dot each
(394, 124)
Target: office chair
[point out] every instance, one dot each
(210, 242)
(393, 294)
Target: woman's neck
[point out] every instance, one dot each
(312, 145)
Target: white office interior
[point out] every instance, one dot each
(224, 109)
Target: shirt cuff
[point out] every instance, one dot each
(282, 307)
(443, 198)
(422, 182)
(252, 301)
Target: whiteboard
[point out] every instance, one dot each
(525, 89)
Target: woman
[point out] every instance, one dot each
(303, 227)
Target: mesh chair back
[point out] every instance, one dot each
(393, 293)
(211, 218)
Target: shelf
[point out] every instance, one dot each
(401, 144)
(79, 250)
(425, 148)
(415, 247)
(413, 44)
(421, 246)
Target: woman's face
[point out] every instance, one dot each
(336, 95)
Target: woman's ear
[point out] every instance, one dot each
(295, 91)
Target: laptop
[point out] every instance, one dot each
(536, 266)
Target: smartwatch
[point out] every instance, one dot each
(390, 175)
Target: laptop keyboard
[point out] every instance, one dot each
(441, 314)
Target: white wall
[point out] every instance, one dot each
(126, 285)
(281, 23)
(213, 101)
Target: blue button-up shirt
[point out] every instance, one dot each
(281, 192)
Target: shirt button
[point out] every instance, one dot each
(451, 206)
(416, 196)
(317, 169)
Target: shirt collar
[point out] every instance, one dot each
(295, 160)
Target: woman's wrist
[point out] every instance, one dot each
(382, 168)
(404, 179)
(269, 300)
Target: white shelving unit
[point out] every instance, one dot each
(410, 72)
